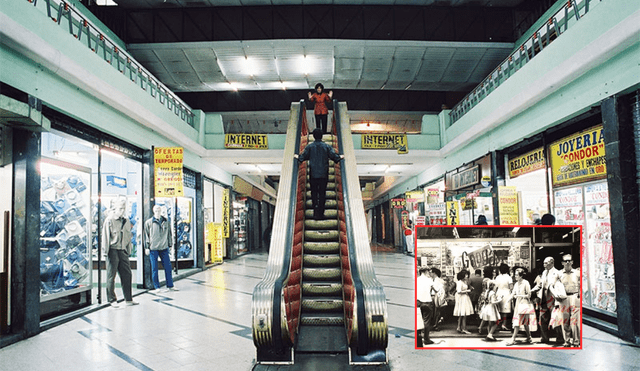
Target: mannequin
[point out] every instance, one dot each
(116, 248)
(158, 239)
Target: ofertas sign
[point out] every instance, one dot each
(578, 158)
(168, 171)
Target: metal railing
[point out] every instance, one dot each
(553, 28)
(86, 33)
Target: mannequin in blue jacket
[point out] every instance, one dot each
(318, 154)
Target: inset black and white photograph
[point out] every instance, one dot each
(498, 287)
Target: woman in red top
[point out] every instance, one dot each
(320, 109)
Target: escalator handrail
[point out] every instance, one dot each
(357, 282)
(267, 294)
(371, 300)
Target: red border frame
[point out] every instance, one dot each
(415, 295)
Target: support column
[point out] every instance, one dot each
(199, 222)
(623, 199)
(148, 200)
(25, 263)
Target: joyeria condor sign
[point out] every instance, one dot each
(578, 158)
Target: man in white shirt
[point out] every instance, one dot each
(549, 276)
(437, 297)
(424, 284)
(570, 307)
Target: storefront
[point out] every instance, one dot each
(568, 178)
(82, 174)
(435, 207)
(468, 193)
(214, 220)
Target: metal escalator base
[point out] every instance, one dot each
(321, 339)
(321, 362)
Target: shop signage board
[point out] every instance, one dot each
(415, 196)
(438, 214)
(578, 158)
(508, 205)
(246, 141)
(421, 219)
(405, 218)
(433, 195)
(385, 141)
(527, 163)
(453, 213)
(225, 213)
(168, 171)
(465, 178)
(398, 203)
(214, 237)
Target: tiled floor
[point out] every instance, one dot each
(206, 326)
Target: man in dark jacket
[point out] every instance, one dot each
(318, 154)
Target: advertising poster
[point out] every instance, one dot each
(508, 205)
(168, 171)
(578, 158)
(438, 214)
(246, 141)
(386, 141)
(433, 195)
(453, 213)
(225, 213)
(398, 203)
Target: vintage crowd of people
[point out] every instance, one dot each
(504, 299)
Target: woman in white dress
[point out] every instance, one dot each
(463, 306)
(523, 313)
(504, 284)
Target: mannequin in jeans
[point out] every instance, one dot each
(116, 248)
(158, 240)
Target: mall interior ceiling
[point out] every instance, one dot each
(392, 61)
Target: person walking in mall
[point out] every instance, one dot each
(320, 110)
(504, 284)
(116, 248)
(523, 314)
(570, 307)
(544, 291)
(158, 239)
(424, 285)
(463, 306)
(318, 154)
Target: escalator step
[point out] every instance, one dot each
(324, 261)
(329, 203)
(326, 224)
(322, 304)
(322, 319)
(322, 288)
(328, 214)
(332, 170)
(321, 274)
(326, 236)
(330, 186)
(331, 195)
(321, 247)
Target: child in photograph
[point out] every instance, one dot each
(482, 302)
(490, 311)
(463, 307)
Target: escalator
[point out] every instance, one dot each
(319, 295)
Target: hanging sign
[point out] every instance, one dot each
(508, 205)
(246, 141)
(225, 213)
(421, 219)
(438, 214)
(453, 213)
(433, 194)
(578, 158)
(529, 162)
(398, 203)
(465, 178)
(405, 219)
(168, 171)
(385, 141)
(415, 196)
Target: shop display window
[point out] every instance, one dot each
(65, 229)
(532, 196)
(588, 205)
(182, 208)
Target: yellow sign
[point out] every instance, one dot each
(225, 213)
(508, 205)
(578, 158)
(530, 161)
(398, 203)
(415, 196)
(213, 236)
(168, 171)
(453, 213)
(246, 141)
(385, 141)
